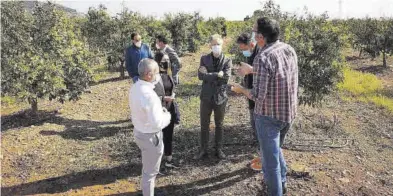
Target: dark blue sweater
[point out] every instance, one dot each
(134, 55)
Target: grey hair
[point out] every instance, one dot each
(217, 38)
(146, 66)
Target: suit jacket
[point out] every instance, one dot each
(173, 57)
(214, 88)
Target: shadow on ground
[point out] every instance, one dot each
(74, 180)
(238, 143)
(74, 129)
(374, 69)
(204, 186)
(115, 79)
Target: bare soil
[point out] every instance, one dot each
(87, 148)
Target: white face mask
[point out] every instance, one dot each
(217, 49)
(138, 44)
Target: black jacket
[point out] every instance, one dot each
(172, 107)
(248, 79)
(214, 88)
(160, 90)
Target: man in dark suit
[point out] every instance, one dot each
(214, 71)
(162, 44)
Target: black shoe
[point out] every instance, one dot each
(220, 154)
(284, 188)
(171, 164)
(200, 155)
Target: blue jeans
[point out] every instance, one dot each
(271, 134)
(175, 73)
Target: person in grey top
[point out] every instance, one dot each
(214, 71)
(162, 44)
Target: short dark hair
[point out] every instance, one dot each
(133, 35)
(162, 39)
(269, 28)
(244, 38)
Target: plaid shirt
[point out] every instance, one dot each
(275, 84)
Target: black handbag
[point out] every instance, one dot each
(177, 113)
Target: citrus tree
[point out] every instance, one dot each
(318, 44)
(42, 57)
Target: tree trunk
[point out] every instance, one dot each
(360, 53)
(109, 62)
(384, 59)
(34, 107)
(122, 75)
(111, 66)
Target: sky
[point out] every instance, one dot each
(238, 9)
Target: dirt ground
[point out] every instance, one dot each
(87, 148)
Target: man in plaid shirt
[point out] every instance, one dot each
(275, 88)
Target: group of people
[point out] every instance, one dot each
(154, 112)
(270, 84)
(138, 51)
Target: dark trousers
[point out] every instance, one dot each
(206, 109)
(168, 133)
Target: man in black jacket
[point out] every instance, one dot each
(249, 50)
(214, 71)
(162, 44)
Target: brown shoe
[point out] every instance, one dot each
(256, 166)
(255, 160)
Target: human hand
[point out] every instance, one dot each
(168, 99)
(220, 74)
(237, 88)
(244, 69)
